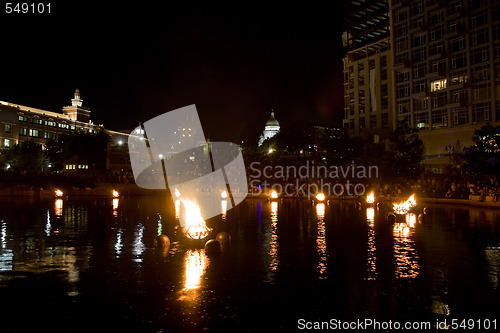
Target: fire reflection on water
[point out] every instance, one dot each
(371, 264)
(116, 201)
(273, 245)
(195, 262)
(321, 241)
(405, 253)
(58, 207)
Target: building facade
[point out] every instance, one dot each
(447, 70)
(444, 59)
(271, 129)
(368, 69)
(20, 123)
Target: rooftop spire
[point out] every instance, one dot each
(77, 101)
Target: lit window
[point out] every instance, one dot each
(438, 85)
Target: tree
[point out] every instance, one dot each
(27, 156)
(407, 151)
(484, 156)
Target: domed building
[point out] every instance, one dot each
(272, 128)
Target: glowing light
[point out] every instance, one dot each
(320, 197)
(177, 208)
(411, 220)
(274, 210)
(274, 195)
(58, 207)
(370, 215)
(115, 207)
(270, 151)
(404, 207)
(321, 248)
(370, 198)
(320, 210)
(115, 194)
(58, 193)
(223, 195)
(195, 227)
(177, 193)
(195, 263)
(223, 207)
(411, 201)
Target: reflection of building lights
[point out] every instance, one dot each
(320, 210)
(139, 246)
(115, 194)
(274, 195)
(370, 198)
(48, 225)
(320, 197)
(119, 242)
(58, 193)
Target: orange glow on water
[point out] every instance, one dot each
(58, 207)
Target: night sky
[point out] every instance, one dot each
(132, 61)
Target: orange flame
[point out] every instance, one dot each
(370, 198)
(404, 207)
(195, 227)
(320, 197)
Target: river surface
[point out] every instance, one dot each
(90, 265)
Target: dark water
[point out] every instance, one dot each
(84, 266)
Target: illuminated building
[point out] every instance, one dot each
(272, 128)
(367, 69)
(20, 123)
(447, 70)
(443, 77)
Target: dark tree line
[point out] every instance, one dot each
(90, 148)
(398, 155)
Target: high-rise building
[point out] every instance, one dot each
(446, 67)
(447, 70)
(367, 68)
